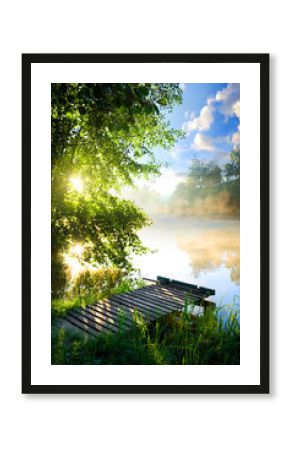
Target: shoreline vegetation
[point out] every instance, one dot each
(206, 192)
(179, 338)
(65, 303)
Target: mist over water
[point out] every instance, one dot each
(197, 251)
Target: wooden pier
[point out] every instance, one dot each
(158, 298)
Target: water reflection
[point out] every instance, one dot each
(211, 248)
(200, 252)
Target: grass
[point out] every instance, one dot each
(179, 338)
(61, 306)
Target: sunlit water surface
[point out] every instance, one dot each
(206, 253)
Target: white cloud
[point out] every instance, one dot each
(182, 86)
(211, 100)
(229, 99)
(229, 102)
(202, 142)
(203, 121)
(236, 108)
(236, 137)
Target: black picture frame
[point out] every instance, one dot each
(263, 61)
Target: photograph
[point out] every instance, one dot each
(145, 236)
(145, 230)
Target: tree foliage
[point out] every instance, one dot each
(104, 136)
(210, 189)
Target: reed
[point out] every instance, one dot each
(180, 338)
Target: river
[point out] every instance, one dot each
(202, 252)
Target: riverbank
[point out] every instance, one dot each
(178, 339)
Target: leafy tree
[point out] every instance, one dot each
(205, 177)
(232, 169)
(209, 189)
(102, 138)
(232, 175)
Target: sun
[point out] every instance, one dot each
(77, 250)
(73, 260)
(74, 265)
(77, 184)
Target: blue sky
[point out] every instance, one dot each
(210, 116)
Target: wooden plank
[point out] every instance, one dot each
(90, 323)
(110, 311)
(181, 295)
(145, 312)
(151, 303)
(167, 295)
(198, 300)
(185, 292)
(114, 308)
(165, 302)
(182, 292)
(206, 291)
(80, 325)
(171, 295)
(106, 313)
(138, 305)
(75, 324)
(149, 281)
(126, 299)
(185, 286)
(95, 317)
(163, 280)
(200, 293)
(155, 300)
(159, 300)
(182, 285)
(130, 309)
(112, 320)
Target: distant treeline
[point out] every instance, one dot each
(209, 190)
